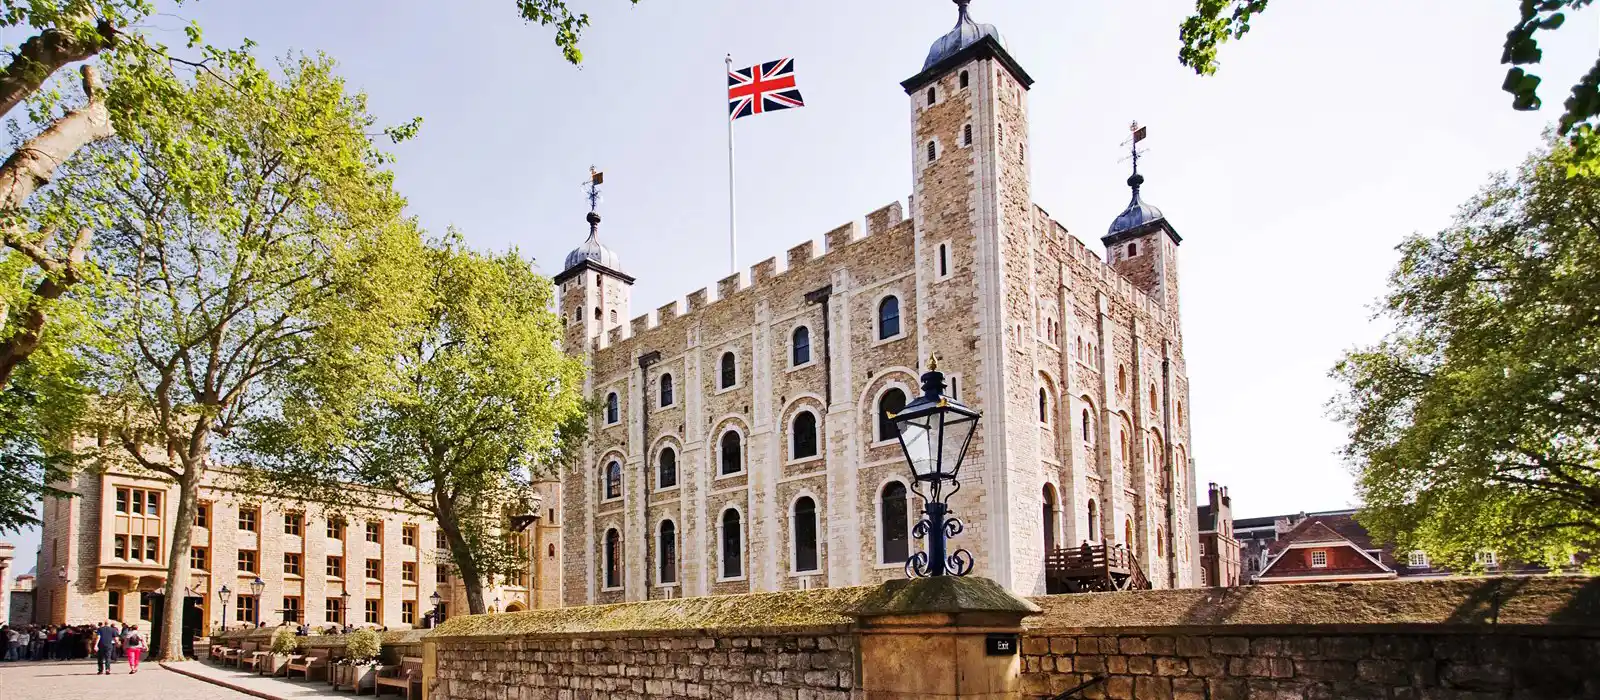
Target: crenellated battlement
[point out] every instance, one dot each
(1118, 286)
(763, 273)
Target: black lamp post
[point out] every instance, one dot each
(226, 595)
(935, 431)
(256, 587)
(438, 615)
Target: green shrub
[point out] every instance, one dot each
(364, 645)
(284, 641)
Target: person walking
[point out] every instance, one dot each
(135, 646)
(105, 643)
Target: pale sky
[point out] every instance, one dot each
(1332, 131)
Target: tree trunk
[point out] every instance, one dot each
(42, 55)
(178, 564)
(466, 565)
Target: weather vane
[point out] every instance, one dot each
(1134, 152)
(592, 187)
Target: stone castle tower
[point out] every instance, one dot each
(741, 442)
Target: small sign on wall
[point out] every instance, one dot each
(1001, 645)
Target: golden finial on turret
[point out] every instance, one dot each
(933, 363)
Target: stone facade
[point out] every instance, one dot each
(1219, 553)
(1076, 363)
(21, 600)
(97, 561)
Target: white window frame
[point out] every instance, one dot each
(622, 579)
(605, 475)
(1487, 557)
(877, 400)
(877, 319)
(1319, 558)
(811, 358)
(738, 376)
(677, 465)
(666, 375)
(744, 545)
(1417, 559)
(877, 523)
(817, 423)
(610, 397)
(744, 453)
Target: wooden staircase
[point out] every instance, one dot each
(1093, 568)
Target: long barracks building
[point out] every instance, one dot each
(742, 447)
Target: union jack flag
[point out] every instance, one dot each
(765, 88)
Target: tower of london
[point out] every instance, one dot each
(741, 443)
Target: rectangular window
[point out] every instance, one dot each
(372, 611)
(408, 571)
(122, 500)
(1488, 558)
(374, 569)
(146, 606)
(408, 612)
(291, 563)
(291, 608)
(247, 519)
(1202, 548)
(335, 567)
(202, 515)
(152, 551)
(374, 531)
(1418, 560)
(152, 503)
(199, 558)
(331, 608)
(439, 540)
(1203, 577)
(247, 561)
(335, 529)
(441, 574)
(408, 535)
(247, 608)
(119, 547)
(138, 501)
(1319, 559)
(291, 523)
(114, 605)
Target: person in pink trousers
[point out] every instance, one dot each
(134, 645)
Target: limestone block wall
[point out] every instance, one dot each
(1456, 639)
(794, 644)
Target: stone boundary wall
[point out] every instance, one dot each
(766, 645)
(1458, 639)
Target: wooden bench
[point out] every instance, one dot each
(236, 655)
(305, 664)
(404, 675)
(251, 656)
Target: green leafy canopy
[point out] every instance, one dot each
(1476, 424)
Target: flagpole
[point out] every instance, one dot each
(733, 220)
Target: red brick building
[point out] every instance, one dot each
(1323, 549)
(1219, 549)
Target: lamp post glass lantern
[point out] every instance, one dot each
(934, 433)
(226, 595)
(256, 587)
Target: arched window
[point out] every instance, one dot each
(1094, 521)
(667, 551)
(802, 346)
(933, 151)
(1180, 414)
(1122, 445)
(803, 435)
(1088, 429)
(1154, 404)
(893, 401)
(598, 316)
(1160, 548)
(964, 80)
(732, 453)
(966, 134)
(1127, 532)
(613, 478)
(933, 96)
(732, 561)
(805, 534)
(894, 533)
(613, 409)
(613, 558)
(1044, 405)
(1122, 379)
(666, 390)
(667, 468)
(730, 370)
(888, 317)
(1049, 519)
(944, 259)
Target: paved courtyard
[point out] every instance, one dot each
(76, 680)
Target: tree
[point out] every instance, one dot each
(1215, 22)
(569, 26)
(249, 233)
(480, 401)
(1475, 425)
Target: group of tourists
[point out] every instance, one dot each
(107, 642)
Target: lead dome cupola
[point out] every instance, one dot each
(966, 33)
(593, 251)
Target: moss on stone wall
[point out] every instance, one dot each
(1563, 600)
(756, 611)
